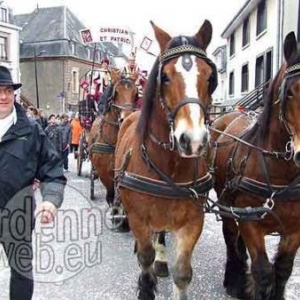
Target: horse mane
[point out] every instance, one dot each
(105, 97)
(273, 93)
(151, 87)
(148, 97)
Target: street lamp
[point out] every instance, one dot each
(36, 78)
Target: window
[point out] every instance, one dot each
(259, 71)
(246, 32)
(261, 23)
(75, 81)
(232, 45)
(263, 68)
(3, 48)
(269, 58)
(73, 48)
(3, 15)
(245, 78)
(231, 83)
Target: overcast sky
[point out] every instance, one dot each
(174, 16)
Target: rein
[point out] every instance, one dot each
(287, 155)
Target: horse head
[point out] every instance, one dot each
(124, 94)
(289, 97)
(185, 81)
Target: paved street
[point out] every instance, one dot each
(89, 261)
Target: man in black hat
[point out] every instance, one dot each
(26, 154)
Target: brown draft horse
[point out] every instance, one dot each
(162, 176)
(103, 136)
(258, 187)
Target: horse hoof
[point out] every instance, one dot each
(234, 292)
(161, 269)
(124, 227)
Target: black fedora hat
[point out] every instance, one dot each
(6, 80)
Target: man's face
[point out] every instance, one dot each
(52, 120)
(131, 63)
(6, 101)
(65, 119)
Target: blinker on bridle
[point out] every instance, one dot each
(291, 72)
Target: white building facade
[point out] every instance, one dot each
(255, 39)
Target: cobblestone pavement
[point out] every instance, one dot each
(92, 262)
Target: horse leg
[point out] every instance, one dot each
(260, 283)
(186, 239)
(236, 261)
(160, 263)
(283, 264)
(110, 195)
(146, 254)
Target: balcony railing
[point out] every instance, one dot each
(255, 98)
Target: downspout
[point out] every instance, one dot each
(64, 94)
(298, 22)
(279, 34)
(65, 22)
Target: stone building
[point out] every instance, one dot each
(53, 58)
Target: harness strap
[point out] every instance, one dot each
(166, 146)
(266, 190)
(239, 213)
(163, 189)
(161, 174)
(101, 148)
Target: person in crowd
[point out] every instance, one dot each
(43, 118)
(76, 130)
(58, 119)
(29, 114)
(94, 86)
(131, 68)
(26, 154)
(104, 79)
(106, 87)
(54, 134)
(66, 140)
(35, 114)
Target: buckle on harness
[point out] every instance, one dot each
(268, 204)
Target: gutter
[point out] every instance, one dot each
(279, 33)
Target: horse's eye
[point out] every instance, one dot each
(164, 78)
(289, 93)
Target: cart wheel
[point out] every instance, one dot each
(80, 156)
(92, 179)
(116, 219)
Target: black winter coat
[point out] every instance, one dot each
(25, 154)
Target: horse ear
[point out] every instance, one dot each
(290, 45)
(204, 35)
(161, 36)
